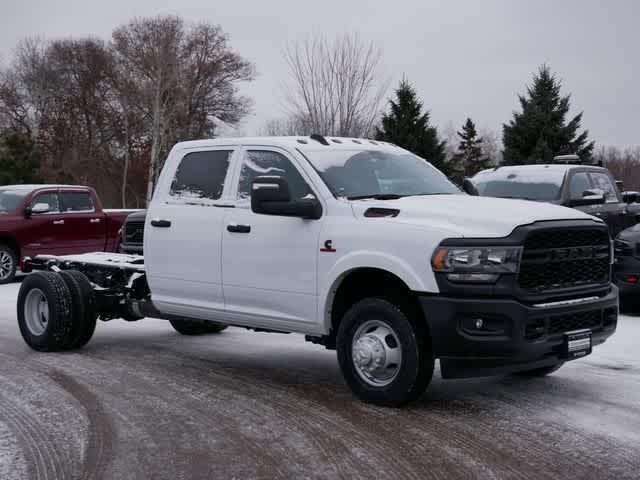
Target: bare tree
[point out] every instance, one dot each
(623, 164)
(335, 84)
(491, 145)
(292, 125)
(187, 77)
(107, 113)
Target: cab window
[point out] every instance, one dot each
(76, 202)
(578, 184)
(266, 162)
(50, 199)
(201, 175)
(604, 183)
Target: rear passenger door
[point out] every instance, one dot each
(183, 233)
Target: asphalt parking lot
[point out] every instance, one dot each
(141, 401)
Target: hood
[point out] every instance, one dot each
(470, 216)
(631, 234)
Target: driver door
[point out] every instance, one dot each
(44, 233)
(269, 262)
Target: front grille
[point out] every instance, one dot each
(575, 321)
(134, 233)
(563, 258)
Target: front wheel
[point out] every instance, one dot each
(194, 327)
(8, 264)
(385, 358)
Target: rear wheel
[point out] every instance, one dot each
(8, 264)
(83, 307)
(194, 327)
(44, 312)
(385, 358)
(539, 372)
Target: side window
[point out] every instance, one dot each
(50, 199)
(266, 162)
(604, 183)
(578, 184)
(76, 202)
(201, 175)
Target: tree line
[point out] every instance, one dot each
(106, 113)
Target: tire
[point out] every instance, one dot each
(193, 327)
(363, 328)
(83, 308)
(8, 264)
(539, 372)
(44, 312)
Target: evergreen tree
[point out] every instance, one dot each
(19, 160)
(408, 127)
(469, 158)
(540, 131)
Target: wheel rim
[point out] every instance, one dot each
(6, 265)
(376, 353)
(36, 311)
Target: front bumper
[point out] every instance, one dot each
(514, 336)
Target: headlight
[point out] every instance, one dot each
(476, 264)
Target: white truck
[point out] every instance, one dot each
(359, 245)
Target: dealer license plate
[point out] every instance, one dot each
(577, 344)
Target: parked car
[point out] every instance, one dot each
(132, 233)
(358, 244)
(588, 188)
(53, 219)
(626, 268)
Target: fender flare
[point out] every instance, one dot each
(363, 259)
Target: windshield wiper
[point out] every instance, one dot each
(377, 196)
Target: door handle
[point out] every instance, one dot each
(238, 228)
(58, 222)
(160, 223)
(95, 220)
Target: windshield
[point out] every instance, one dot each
(374, 173)
(10, 199)
(540, 185)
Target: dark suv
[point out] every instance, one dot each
(585, 187)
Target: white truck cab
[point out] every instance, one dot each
(366, 248)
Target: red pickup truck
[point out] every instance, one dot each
(53, 219)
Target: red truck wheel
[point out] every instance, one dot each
(8, 264)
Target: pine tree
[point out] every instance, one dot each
(408, 127)
(469, 158)
(540, 131)
(19, 160)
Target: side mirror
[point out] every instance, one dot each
(629, 197)
(38, 208)
(589, 197)
(271, 196)
(620, 184)
(469, 188)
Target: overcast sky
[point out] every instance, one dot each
(466, 58)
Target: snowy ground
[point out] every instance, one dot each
(142, 401)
